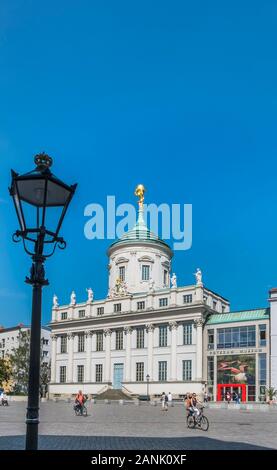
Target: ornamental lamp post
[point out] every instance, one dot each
(147, 379)
(41, 201)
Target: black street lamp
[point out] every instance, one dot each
(147, 379)
(41, 201)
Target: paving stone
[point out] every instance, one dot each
(138, 427)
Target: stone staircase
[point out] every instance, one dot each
(113, 394)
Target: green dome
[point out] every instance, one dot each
(140, 232)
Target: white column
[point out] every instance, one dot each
(128, 333)
(150, 332)
(199, 347)
(53, 358)
(173, 327)
(70, 341)
(88, 356)
(107, 334)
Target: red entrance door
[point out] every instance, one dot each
(222, 389)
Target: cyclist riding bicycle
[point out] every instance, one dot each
(192, 405)
(80, 401)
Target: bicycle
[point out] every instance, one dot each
(80, 411)
(199, 421)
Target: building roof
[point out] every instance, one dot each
(243, 315)
(20, 327)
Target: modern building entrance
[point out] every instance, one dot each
(117, 376)
(222, 389)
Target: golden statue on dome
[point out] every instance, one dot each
(139, 192)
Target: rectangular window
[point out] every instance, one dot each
(187, 299)
(141, 305)
(139, 371)
(210, 339)
(80, 374)
(119, 340)
(63, 344)
(237, 337)
(98, 372)
(64, 315)
(145, 273)
(163, 302)
(223, 308)
(81, 342)
(122, 273)
(82, 313)
(140, 338)
(262, 335)
(214, 304)
(165, 278)
(210, 371)
(62, 374)
(162, 371)
(117, 308)
(100, 310)
(188, 333)
(262, 369)
(163, 336)
(187, 370)
(99, 341)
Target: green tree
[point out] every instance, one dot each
(20, 358)
(5, 371)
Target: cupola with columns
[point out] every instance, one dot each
(139, 261)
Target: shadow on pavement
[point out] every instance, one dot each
(52, 442)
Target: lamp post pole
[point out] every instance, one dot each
(37, 280)
(39, 190)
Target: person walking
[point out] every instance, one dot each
(206, 397)
(170, 399)
(164, 400)
(228, 397)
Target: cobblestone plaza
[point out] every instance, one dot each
(114, 426)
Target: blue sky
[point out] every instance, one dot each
(178, 95)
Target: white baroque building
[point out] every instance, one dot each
(151, 336)
(146, 330)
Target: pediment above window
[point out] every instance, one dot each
(122, 260)
(146, 259)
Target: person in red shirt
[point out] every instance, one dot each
(80, 400)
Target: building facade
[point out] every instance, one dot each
(9, 340)
(149, 335)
